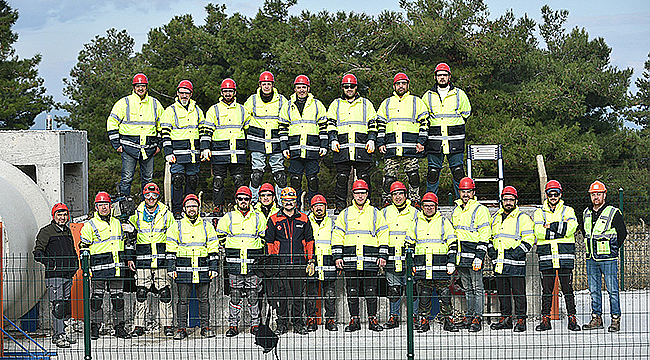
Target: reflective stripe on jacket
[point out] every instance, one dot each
(263, 133)
(352, 124)
(180, 131)
(223, 132)
(601, 241)
(325, 267)
(512, 238)
(447, 117)
(435, 245)
(243, 236)
(134, 124)
(194, 249)
(150, 245)
(398, 224)
(303, 135)
(106, 245)
(555, 244)
(402, 122)
(472, 224)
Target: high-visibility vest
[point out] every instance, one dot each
(360, 237)
(554, 250)
(242, 235)
(303, 135)
(602, 240)
(134, 124)
(274, 209)
(447, 117)
(323, 247)
(473, 232)
(150, 245)
(194, 248)
(435, 245)
(223, 132)
(105, 243)
(180, 131)
(398, 224)
(263, 135)
(402, 122)
(352, 124)
(511, 237)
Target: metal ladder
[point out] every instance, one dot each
(487, 152)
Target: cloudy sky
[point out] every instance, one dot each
(58, 29)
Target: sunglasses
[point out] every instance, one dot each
(553, 194)
(348, 86)
(243, 198)
(151, 196)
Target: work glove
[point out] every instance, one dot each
(311, 269)
(127, 227)
(173, 274)
(286, 153)
(336, 147)
(213, 274)
(170, 158)
(370, 146)
(476, 264)
(451, 267)
(322, 152)
(205, 154)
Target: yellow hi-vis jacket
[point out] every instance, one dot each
(194, 250)
(150, 245)
(263, 135)
(556, 246)
(303, 135)
(243, 237)
(105, 242)
(180, 131)
(223, 132)
(360, 237)
(402, 122)
(435, 245)
(473, 232)
(352, 124)
(601, 240)
(512, 238)
(447, 117)
(134, 124)
(323, 247)
(398, 224)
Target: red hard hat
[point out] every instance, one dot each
(466, 183)
(191, 197)
(509, 190)
(349, 79)
(228, 84)
(267, 187)
(267, 76)
(302, 80)
(431, 197)
(397, 185)
(244, 190)
(360, 185)
(140, 79)
(442, 67)
(553, 185)
(102, 196)
(318, 199)
(61, 207)
(597, 187)
(399, 77)
(151, 188)
(186, 84)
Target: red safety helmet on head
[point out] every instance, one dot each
(267, 187)
(102, 196)
(151, 188)
(397, 185)
(359, 185)
(186, 84)
(349, 79)
(430, 197)
(61, 207)
(318, 199)
(267, 76)
(442, 67)
(302, 80)
(509, 190)
(597, 187)
(191, 197)
(553, 185)
(466, 183)
(400, 77)
(244, 190)
(228, 84)
(140, 79)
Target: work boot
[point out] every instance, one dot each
(424, 325)
(120, 331)
(61, 341)
(137, 331)
(312, 325)
(505, 322)
(545, 324)
(254, 329)
(330, 325)
(232, 331)
(206, 332)
(94, 331)
(616, 324)
(180, 334)
(169, 331)
(392, 323)
(595, 323)
(475, 326)
(282, 327)
(449, 325)
(573, 323)
(520, 326)
(464, 323)
(373, 324)
(354, 325)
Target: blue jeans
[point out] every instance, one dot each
(394, 279)
(128, 170)
(435, 161)
(472, 282)
(595, 271)
(258, 162)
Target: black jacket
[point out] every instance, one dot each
(55, 249)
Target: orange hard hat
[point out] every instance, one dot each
(597, 187)
(360, 185)
(59, 207)
(267, 76)
(397, 185)
(509, 190)
(318, 199)
(430, 197)
(349, 79)
(553, 185)
(288, 193)
(228, 84)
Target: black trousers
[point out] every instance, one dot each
(328, 296)
(548, 282)
(509, 288)
(343, 169)
(219, 173)
(184, 291)
(355, 280)
(292, 288)
(425, 292)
